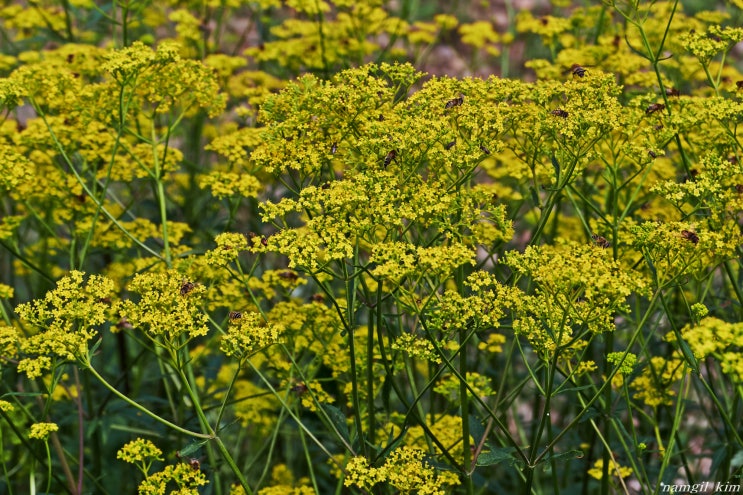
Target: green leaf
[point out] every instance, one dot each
(496, 455)
(568, 455)
(191, 448)
(556, 164)
(476, 429)
(338, 419)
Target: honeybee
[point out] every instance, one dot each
(454, 102)
(672, 92)
(690, 236)
(655, 107)
(235, 315)
(600, 241)
(390, 156)
(450, 145)
(187, 287)
(577, 70)
(318, 298)
(195, 464)
(559, 112)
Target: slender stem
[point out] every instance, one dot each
(351, 282)
(141, 408)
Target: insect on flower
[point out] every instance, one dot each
(690, 236)
(577, 70)
(600, 241)
(739, 84)
(454, 102)
(484, 149)
(390, 156)
(655, 107)
(195, 464)
(559, 112)
(288, 275)
(333, 148)
(235, 315)
(450, 145)
(187, 287)
(652, 154)
(672, 92)
(299, 389)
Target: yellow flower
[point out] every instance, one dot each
(168, 307)
(249, 334)
(597, 471)
(139, 451)
(41, 431)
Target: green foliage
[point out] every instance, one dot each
(262, 249)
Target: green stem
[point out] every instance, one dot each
(140, 407)
(351, 282)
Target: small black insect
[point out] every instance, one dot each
(559, 112)
(690, 236)
(390, 156)
(484, 149)
(299, 389)
(187, 287)
(454, 102)
(577, 70)
(450, 145)
(333, 148)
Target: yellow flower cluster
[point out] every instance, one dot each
(654, 386)
(139, 451)
(247, 334)
(41, 431)
(404, 469)
(597, 471)
(184, 478)
(577, 288)
(64, 321)
(168, 308)
(718, 339)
